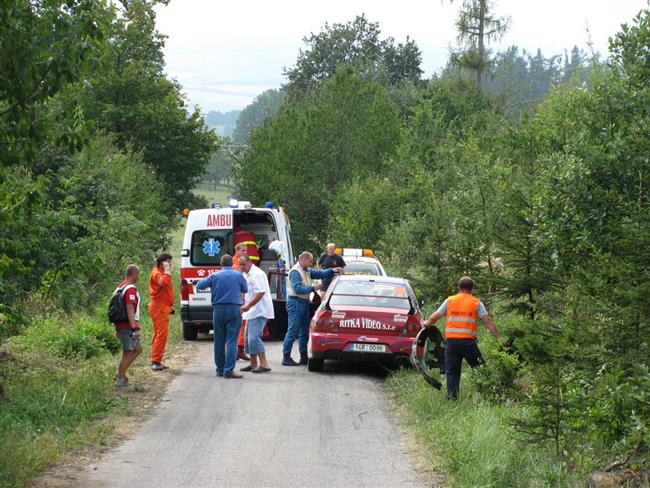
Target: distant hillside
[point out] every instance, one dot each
(222, 123)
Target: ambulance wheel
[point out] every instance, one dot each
(315, 364)
(189, 331)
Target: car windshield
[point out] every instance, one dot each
(370, 294)
(361, 268)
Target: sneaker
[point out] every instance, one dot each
(289, 362)
(233, 376)
(158, 367)
(121, 382)
(303, 360)
(219, 374)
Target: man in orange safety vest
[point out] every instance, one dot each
(463, 311)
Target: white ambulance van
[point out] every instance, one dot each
(209, 234)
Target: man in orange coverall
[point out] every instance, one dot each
(161, 305)
(240, 250)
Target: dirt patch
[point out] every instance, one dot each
(145, 392)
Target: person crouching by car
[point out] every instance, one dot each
(257, 309)
(161, 305)
(129, 332)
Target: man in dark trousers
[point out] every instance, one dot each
(463, 311)
(329, 260)
(226, 288)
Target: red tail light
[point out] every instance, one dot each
(185, 289)
(325, 322)
(411, 328)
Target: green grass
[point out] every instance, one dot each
(57, 382)
(218, 195)
(471, 441)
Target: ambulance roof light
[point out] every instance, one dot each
(232, 203)
(215, 205)
(268, 204)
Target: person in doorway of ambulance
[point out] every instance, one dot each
(298, 289)
(161, 305)
(463, 311)
(128, 332)
(257, 309)
(329, 260)
(226, 288)
(241, 249)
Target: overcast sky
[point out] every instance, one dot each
(226, 53)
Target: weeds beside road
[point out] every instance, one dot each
(470, 441)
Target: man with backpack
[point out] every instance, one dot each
(124, 312)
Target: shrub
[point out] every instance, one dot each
(81, 338)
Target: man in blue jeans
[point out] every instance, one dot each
(298, 289)
(226, 287)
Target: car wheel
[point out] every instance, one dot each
(189, 331)
(315, 364)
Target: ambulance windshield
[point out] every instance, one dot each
(209, 245)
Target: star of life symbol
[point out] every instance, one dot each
(211, 247)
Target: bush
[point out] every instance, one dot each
(83, 338)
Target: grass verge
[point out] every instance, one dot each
(471, 441)
(57, 396)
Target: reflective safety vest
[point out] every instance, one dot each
(304, 277)
(248, 238)
(462, 316)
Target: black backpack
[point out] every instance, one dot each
(117, 306)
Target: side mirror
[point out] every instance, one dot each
(420, 302)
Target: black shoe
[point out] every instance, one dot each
(303, 360)
(158, 367)
(289, 362)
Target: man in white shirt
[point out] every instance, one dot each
(256, 311)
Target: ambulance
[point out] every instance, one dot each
(212, 232)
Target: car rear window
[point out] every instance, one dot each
(360, 268)
(209, 245)
(370, 294)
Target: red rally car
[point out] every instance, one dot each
(364, 318)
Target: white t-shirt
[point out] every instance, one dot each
(257, 283)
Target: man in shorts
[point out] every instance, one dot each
(128, 332)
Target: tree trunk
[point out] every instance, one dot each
(481, 43)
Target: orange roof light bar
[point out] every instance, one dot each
(348, 251)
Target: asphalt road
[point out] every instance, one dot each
(286, 428)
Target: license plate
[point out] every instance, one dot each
(369, 347)
(206, 290)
